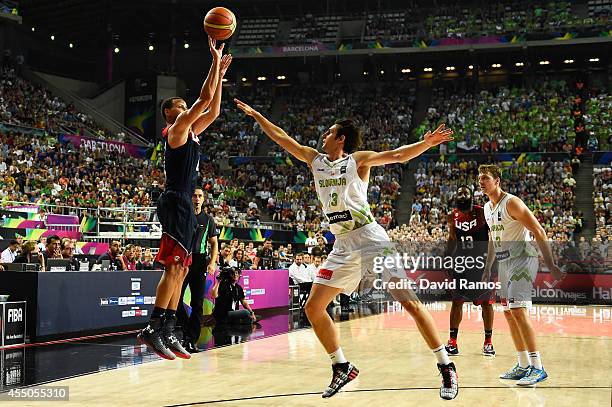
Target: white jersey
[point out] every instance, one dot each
(510, 238)
(343, 194)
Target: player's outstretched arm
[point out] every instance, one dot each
(214, 110)
(404, 153)
(178, 133)
(519, 211)
(278, 135)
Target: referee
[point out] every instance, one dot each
(206, 233)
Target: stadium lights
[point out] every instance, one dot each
(71, 45)
(52, 37)
(382, 72)
(594, 60)
(261, 78)
(244, 79)
(116, 50)
(496, 66)
(224, 79)
(544, 62)
(406, 70)
(281, 77)
(33, 29)
(471, 67)
(568, 61)
(151, 47)
(427, 69)
(186, 45)
(519, 64)
(365, 73)
(338, 75)
(450, 68)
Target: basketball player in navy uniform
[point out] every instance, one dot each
(174, 207)
(468, 239)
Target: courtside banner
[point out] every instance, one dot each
(110, 147)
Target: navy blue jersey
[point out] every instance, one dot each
(182, 164)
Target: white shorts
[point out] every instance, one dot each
(353, 259)
(517, 277)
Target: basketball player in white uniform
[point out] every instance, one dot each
(341, 179)
(510, 223)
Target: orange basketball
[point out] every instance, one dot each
(220, 23)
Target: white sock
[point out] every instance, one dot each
(337, 357)
(535, 360)
(523, 358)
(441, 355)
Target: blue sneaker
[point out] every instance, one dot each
(516, 373)
(534, 376)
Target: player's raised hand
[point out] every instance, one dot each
(216, 52)
(245, 108)
(226, 60)
(439, 136)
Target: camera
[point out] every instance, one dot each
(225, 273)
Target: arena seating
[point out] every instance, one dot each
(505, 119)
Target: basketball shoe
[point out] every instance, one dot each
(172, 341)
(516, 373)
(450, 381)
(152, 337)
(487, 350)
(342, 373)
(451, 347)
(534, 376)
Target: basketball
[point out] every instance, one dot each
(220, 23)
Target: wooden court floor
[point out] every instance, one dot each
(396, 367)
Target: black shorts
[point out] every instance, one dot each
(176, 215)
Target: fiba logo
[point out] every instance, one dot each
(15, 315)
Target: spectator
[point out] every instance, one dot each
(53, 250)
(226, 257)
(10, 253)
(128, 259)
(77, 249)
(320, 249)
(67, 250)
(240, 261)
(315, 266)
(113, 256)
(298, 271)
(147, 262)
(30, 254)
(265, 257)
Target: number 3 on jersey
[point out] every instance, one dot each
(333, 199)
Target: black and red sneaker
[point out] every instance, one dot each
(342, 373)
(450, 381)
(451, 347)
(153, 338)
(172, 341)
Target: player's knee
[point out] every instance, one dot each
(313, 308)
(508, 314)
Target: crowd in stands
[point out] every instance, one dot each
(602, 184)
(421, 21)
(26, 104)
(547, 187)
(507, 119)
(599, 121)
(458, 20)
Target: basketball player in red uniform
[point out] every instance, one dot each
(468, 238)
(174, 207)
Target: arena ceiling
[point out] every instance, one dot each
(93, 23)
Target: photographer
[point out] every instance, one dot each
(228, 294)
